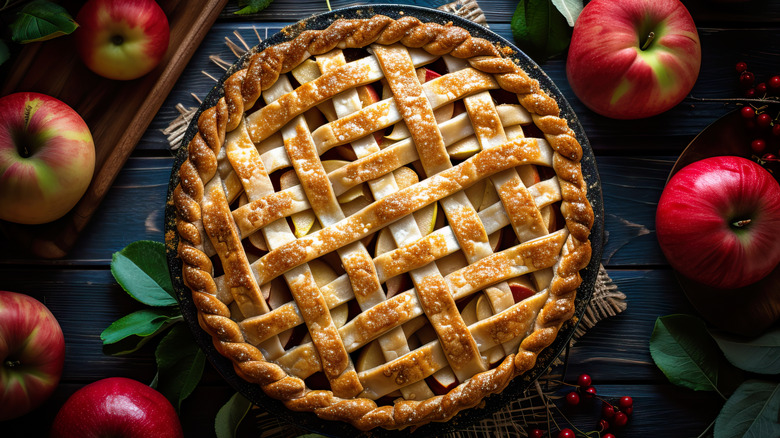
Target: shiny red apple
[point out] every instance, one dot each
(47, 158)
(122, 39)
(117, 407)
(630, 59)
(32, 353)
(718, 221)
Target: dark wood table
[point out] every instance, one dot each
(634, 159)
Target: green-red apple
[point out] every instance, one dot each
(631, 59)
(32, 353)
(47, 158)
(122, 39)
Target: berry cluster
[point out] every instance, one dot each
(613, 415)
(764, 128)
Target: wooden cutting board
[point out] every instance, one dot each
(117, 112)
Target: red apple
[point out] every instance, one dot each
(122, 39)
(116, 407)
(718, 222)
(32, 352)
(630, 59)
(47, 158)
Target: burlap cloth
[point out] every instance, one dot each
(518, 417)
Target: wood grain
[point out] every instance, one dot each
(117, 112)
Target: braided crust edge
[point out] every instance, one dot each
(242, 89)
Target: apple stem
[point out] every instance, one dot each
(117, 40)
(741, 223)
(12, 363)
(650, 38)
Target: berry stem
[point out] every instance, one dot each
(767, 100)
(648, 41)
(741, 223)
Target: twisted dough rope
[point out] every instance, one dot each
(242, 89)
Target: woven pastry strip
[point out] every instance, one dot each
(228, 160)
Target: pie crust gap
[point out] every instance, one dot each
(382, 222)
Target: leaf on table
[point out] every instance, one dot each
(570, 9)
(751, 412)
(141, 268)
(252, 6)
(539, 29)
(758, 355)
(41, 20)
(683, 349)
(230, 416)
(5, 54)
(144, 323)
(180, 364)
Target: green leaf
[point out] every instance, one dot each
(141, 268)
(570, 9)
(5, 54)
(252, 6)
(180, 364)
(539, 29)
(41, 20)
(751, 412)
(144, 323)
(685, 352)
(759, 355)
(230, 416)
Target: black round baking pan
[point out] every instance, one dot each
(464, 419)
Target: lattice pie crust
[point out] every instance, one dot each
(385, 237)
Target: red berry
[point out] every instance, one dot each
(566, 433)
(625, 402)
(741, 66)
(609, 435)
(750, 93)
(620, 419)
(536, 433)
(590, 392)
(607, 411)
(776, 129)
(774, 83)
(769, 157)
(761, 89)
(603, 425)
(628, 411)
(746, 79)
(572, 398)
(747, 112)
(764, 120)
(584, 380)
(758, 145)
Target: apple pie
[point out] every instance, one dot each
(382, 222)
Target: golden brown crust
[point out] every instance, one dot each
(241, 91)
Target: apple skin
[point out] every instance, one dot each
(117, 407)
(47, 158)
(611, 74)
(122, 39)
(696, 216)
(32, 354)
